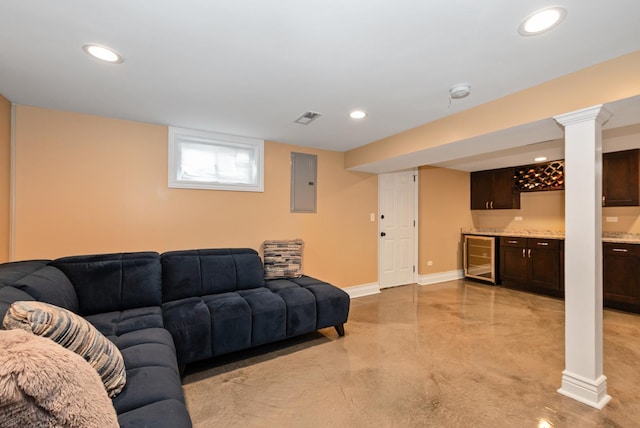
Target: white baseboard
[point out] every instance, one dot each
(435, 278)
(363, 290)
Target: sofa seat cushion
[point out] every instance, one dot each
(189, 321)
(301, 310)
(117, 323)
(268, 315)
(332, 303)
(152, 375)
(148, 347)
(217, 324)
(160, 414)
(230, 319)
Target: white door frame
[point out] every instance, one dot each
(415, 229)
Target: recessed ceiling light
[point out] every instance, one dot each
(542, 20)
(540, 159)
(103, 53)
(358, 114)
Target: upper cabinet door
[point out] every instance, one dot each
(481, 189)
(493, 189)
(620, 179)
(504, 197)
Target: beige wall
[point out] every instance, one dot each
(606, 82)
(443, 209)
(545, 211)
(87, 184)
(539, 211)
(5, 162)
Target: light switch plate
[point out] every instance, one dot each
(612, 219)
(518, 218)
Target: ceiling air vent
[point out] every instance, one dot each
(307, 117)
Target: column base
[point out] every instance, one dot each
(592, 392)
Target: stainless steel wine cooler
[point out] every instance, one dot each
(480, 258)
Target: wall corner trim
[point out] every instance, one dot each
(435, 278)
(363, 290)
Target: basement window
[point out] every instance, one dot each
(207, 160)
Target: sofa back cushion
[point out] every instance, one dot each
(114, 282)
(8, 295)
(192, 273)
(43, 282)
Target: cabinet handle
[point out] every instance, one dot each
(523, 253)
(604, 200)
(620, 250)
(529, 253)
(491, 204)
(513, 242)
(544, 244)
(486, 205)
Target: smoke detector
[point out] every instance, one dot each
(459, 91)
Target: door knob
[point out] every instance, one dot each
(383, 234)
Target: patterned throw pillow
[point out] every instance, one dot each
(74, 333)
(283, 259)
(43, 384)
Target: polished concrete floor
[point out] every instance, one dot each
(458, 354)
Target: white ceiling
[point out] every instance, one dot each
(251, 67)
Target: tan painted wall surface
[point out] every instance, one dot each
(5, 163)
(88, 184)
(609, 81)
(539, 211)
(444, 209)
(545, 211)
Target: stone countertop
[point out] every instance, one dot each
(616, 237)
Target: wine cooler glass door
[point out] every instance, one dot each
(479, 258)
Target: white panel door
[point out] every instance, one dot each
(396, 193)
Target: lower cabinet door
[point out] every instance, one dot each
(544, 271)
(513, 267)
(621, 285)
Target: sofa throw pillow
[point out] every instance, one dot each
(283, 258)
(74, 333)
(43, 384)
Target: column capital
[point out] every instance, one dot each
(596, 113)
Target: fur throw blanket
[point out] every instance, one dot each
(42, 384)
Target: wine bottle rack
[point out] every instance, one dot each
(539, 177)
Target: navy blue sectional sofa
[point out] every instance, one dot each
(166, 311)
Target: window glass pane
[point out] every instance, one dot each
(217, 163)
(205, 160)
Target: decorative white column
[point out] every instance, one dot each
(583, 377)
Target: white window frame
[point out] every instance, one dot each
(178, 136)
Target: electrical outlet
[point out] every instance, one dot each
(518, 218)
(429, 262)
(372, 217)
(612, 219)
